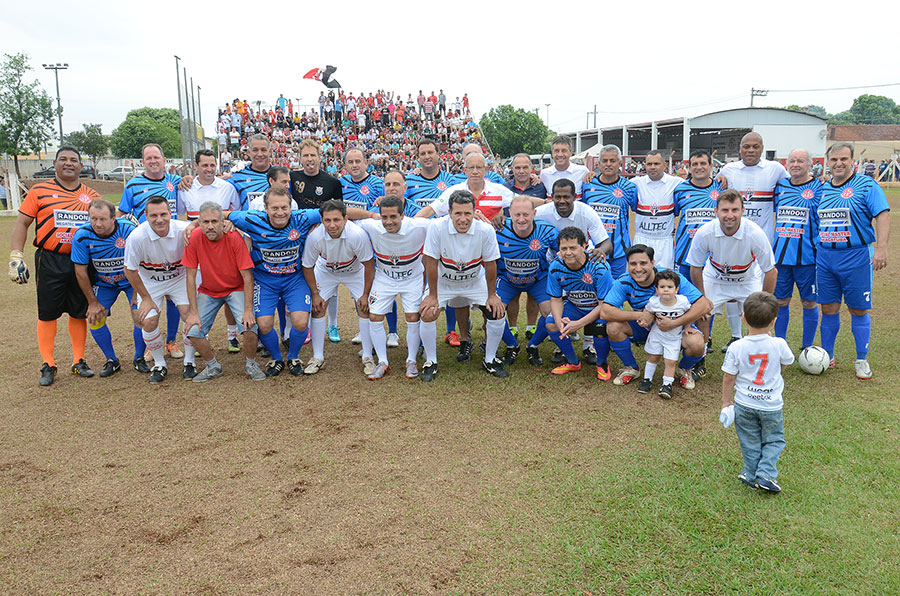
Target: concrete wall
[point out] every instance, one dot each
(785, 138)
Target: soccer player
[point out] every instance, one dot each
(252, 181)
(845, 258)
(796, 231)
(227, 279)
(338, 252)
(359, 187)
(99, 247)
(666, 304)
(563, 168)
(154, 182)
(311, 186)
(695, 204)
(153, 254)
(654, 212)
(59, 206)
(278, 236)
(611, 196)
(461, 265)
(625, 327)
(489, 175)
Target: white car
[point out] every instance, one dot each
(120, 173)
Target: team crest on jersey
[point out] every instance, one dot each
(654, 209)
(364, 190)
(807, 194)
(170, 187)
(293, 234)
(535, 244)
(748, 194)
(247, 180)
(714, 195)
(395, 260)
(120, 243)
(146, 190)
(442, 185)
(847, 193)
(84, 198)
(320, 190)
(617, 192)
(586, 278)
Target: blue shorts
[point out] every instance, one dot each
(802, 275)
(617, 266)
(267, 289)
(638, 334)
(107, 296)
(572, 312)
(846, 273)
(537, 290)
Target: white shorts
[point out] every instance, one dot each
(458, 297)
(328, 282)
(719, 293)
(175, 289)
(382, 296)
(663, 250)
(660, 343)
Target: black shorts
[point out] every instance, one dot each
(57, 287)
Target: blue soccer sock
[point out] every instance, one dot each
(508, 338)
(810, 322)
(861, 327)
(392, 319)
(688, 362)
(565, 345)
(781, 323)
(298, 338)
(173, 317)
(281, 308)
(540, 334)
(601, 347)
(623, 351)
(831, 324)
(103, 338)
(450, 313)
(140, 346)
(272, 342)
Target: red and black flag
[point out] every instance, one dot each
(323, 76)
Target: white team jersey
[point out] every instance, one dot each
(342, 255)
(398, 257)
(259, 203)
(582, 217)
(681, 306)
(732, 259)
(575, 172)
(491, 201)
(156, 258)
(461, 256)
(654, 216)
(220, 192)
(756, 361)
(757, 185)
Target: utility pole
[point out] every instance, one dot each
(548, 114)
(56, 68)
(595, 117)
(180, 110)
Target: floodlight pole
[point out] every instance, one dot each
(56, 68)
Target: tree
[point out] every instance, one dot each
(810, 109)
(147, 125)
(509, 130)
(870, 109)
(26, 111)
(91, 141)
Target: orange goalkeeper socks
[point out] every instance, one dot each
(78, 334)
(46, 335)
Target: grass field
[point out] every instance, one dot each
(469, 485)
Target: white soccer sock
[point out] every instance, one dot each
(332, 311)
(232, 331)
(317, 328)
(734, 318)
(155, 343)
(668, 380)
(494, 333)
(649, 370)
(587, 341)
(412, 341)
(428, 334)
(365, 337)
(379, 341)
(188, 350)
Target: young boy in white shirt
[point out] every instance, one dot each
(752, 371)
(664, 344)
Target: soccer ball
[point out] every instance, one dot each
(813, 360)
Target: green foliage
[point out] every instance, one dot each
(870, 109)
(91, 141)
(147, 125)
(509, 130)
(26, 111)
(810, 109)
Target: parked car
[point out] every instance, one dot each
(119, 173)
(45, 173)
(86, 172)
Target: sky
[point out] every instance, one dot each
(635, 61)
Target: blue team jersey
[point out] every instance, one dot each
(409, 208)
(694, 206)
(424, 190)
(584, 288)
(249, 184)
(106, 256)
(523, 261)
(846, 212)
(625, 289)
(140, 188)
(491, 176)
(362, 194)
(612, 202)
(276, 251)
(796, 222)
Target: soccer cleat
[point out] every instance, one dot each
(411, 371)
(685, 378)
(558, 357)
(709, 345)
(210, 372)
(234, 345)
(356, 339)
(81, 369)
(511, 354)
(645, 385)
(699, 370)
(730, 341)
(110, 368)
(534, 356)
(626, 375)
(863, 370)
(393, 340)
(140, 365)
(173, 351)
(566, 368)
(767, 485)
(576, 336)
(530, 331)
(313, 366)
(157, 374)
(603, 373)
(452, 338)
(832, 363)
(465, 351)
(274, 368)
(305, 341)
(254, 371)
(590, 355)
(381, 369)
(334, 334)
(665, 391)
(483, 346)
(190, 371)
(745, 478)
(429, 371)
(368, 366)
(48, 374)
(495, 369)
(295, 367)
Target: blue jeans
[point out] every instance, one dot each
(761, 435)
(208, 307)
